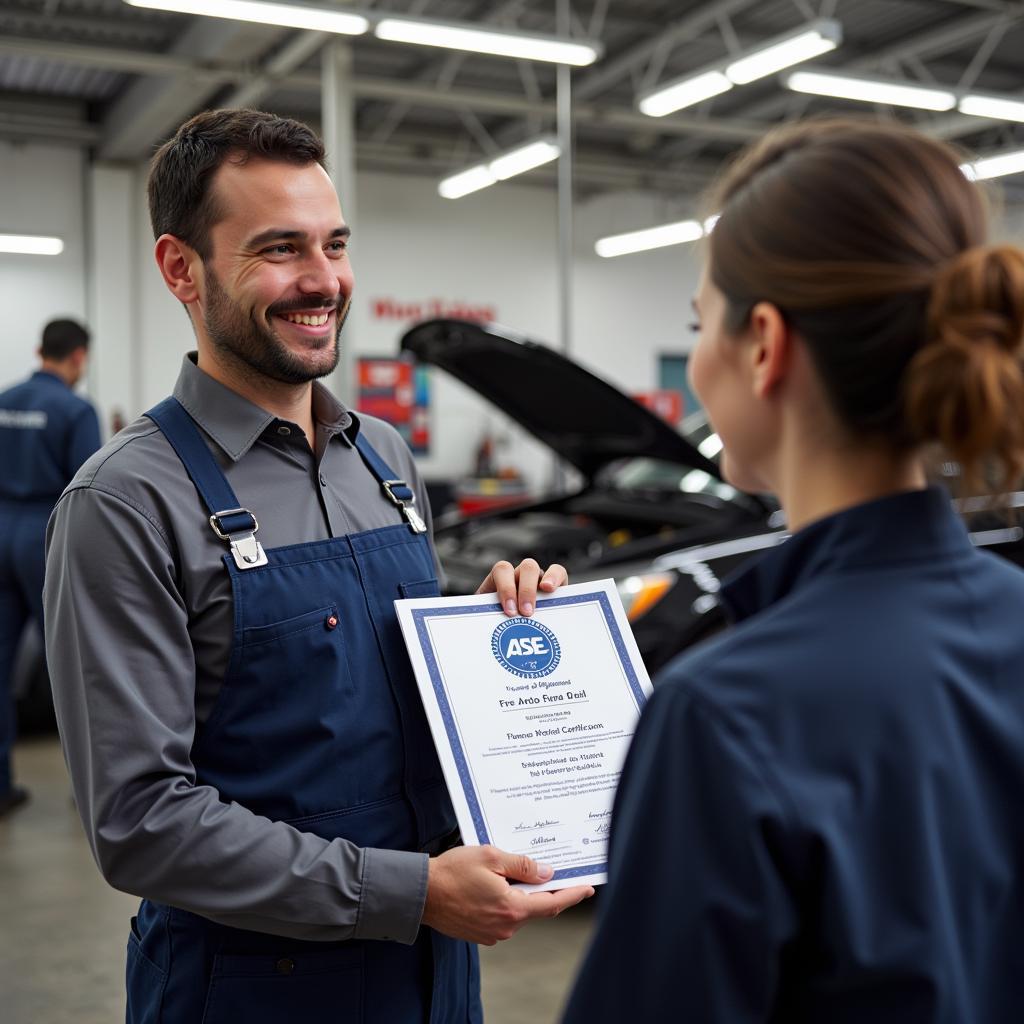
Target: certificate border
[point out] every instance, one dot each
(420, 616)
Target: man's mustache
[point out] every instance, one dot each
(308, 304)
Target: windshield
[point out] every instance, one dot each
(671, 478)
(643, 474)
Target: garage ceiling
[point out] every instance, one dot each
(118, 79)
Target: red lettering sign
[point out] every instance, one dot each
(395, 309)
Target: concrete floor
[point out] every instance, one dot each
(63, 930)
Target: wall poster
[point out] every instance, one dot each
(398, 392)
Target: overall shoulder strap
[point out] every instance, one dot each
(397, 491)
(231, 523)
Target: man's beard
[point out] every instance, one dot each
(256, 348)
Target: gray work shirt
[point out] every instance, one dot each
(138, 635)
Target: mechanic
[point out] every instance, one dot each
(243, 729)
(46, 433)
(820, 815)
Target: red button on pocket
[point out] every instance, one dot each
(332, 621)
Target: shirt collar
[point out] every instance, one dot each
(906, 527)
(50, 375)
(235, 423)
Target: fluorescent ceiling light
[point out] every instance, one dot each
(650, 238)
(684, 93)
(320, 19)
(871, 90)
(506, 165)
(526, 46)
(525, 158)
(810, 40)
(31, 245)
(995, 166)
(464, 182)
(805, 43)
(992, 106)
(523, 45)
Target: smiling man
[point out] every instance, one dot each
(245, 738)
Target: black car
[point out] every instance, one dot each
(653, 511)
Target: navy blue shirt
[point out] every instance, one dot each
(821, 817)
(46, 433)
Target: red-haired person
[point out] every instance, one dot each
(820, 817)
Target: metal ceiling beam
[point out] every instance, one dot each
(920, 45)
(589, 171)
(109, 58)
(734, 130)
(295, 52)
(23, 127)
(151, 108)
(113, 27)
(987, 5)
(612, 71)
(292, 55)
(207, 75)
(939, 41)
(442, 72)
(942, 39)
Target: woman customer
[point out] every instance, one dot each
(822, 814)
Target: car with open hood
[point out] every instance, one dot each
(652, 510)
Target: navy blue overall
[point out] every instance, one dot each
(318, 724)
(46, 433)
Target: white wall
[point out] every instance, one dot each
(630, 309)
(41, 193)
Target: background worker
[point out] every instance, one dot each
(46, 433)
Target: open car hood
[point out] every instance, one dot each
(587, 421)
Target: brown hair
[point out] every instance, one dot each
(180, 200)
(871, 242)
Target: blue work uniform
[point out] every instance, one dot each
(351, 759)
(820, 817)
(46, 433)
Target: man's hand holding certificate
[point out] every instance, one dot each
(532, 718)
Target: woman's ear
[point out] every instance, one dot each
(771, 351)
(180, 266)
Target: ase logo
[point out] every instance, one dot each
(526, 648)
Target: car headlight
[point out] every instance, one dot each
(640, 594)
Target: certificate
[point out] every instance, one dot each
(532, 718)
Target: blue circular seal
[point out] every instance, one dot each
(525, 648)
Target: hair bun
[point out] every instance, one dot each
(978, 298)
(965, 387)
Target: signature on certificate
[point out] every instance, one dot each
(526, 827)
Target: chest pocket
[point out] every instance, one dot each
(323, 619)
(421, 588)
(269, 664)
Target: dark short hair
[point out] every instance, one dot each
(180, 200)
(61, 338)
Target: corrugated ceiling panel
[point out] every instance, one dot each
(29, 74)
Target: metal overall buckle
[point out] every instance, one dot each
(246, 550)
(412, 517)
